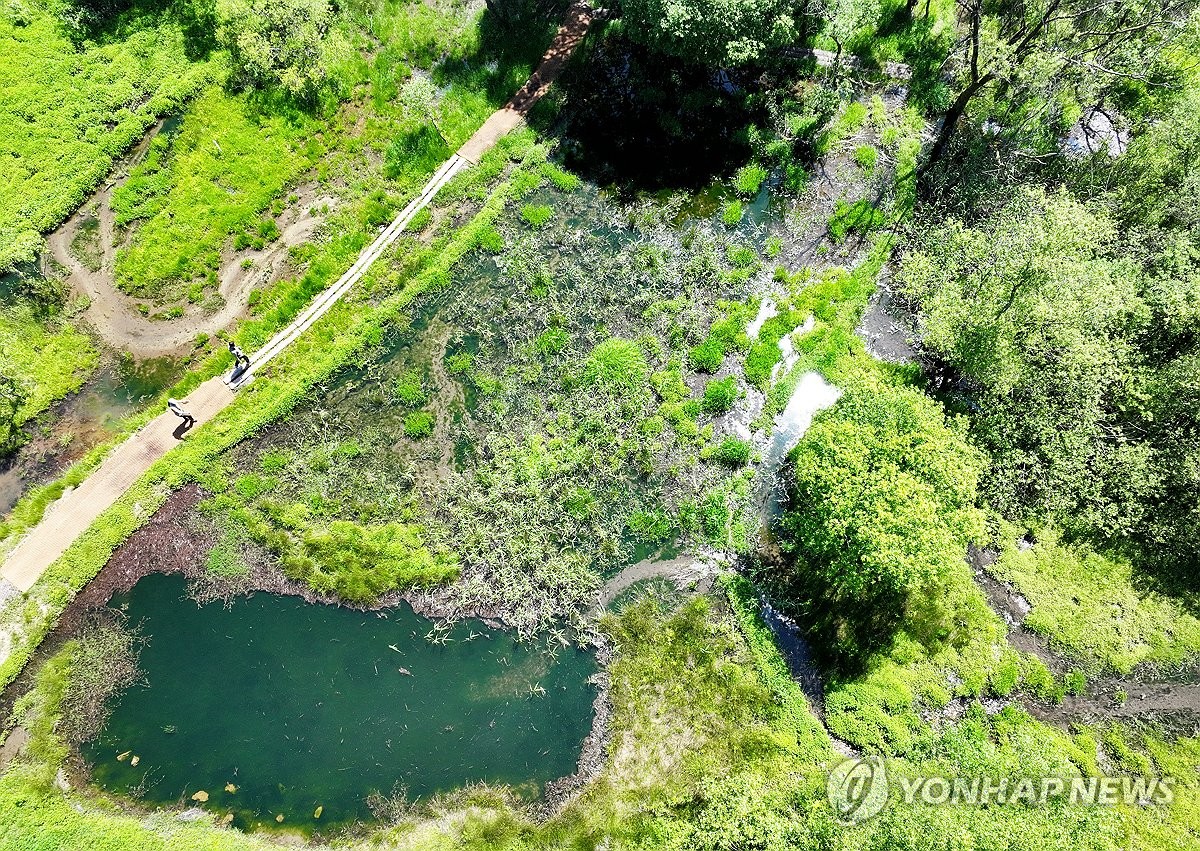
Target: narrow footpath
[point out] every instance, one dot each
(79, 507)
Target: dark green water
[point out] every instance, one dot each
(303, 706)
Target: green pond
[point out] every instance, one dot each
(301, 706)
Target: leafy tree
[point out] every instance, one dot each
(1033, 53)
(720, 33)
(419, 98)
(1032, 307)
(882, 491)
(844, 18)
(277, 42)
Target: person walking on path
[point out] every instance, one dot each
(241, 360)
(176, 408)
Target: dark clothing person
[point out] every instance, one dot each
(241, 360)
(177, 409)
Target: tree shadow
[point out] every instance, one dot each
(843, 632)
(643, 121)
(513, 37)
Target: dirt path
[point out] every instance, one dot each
(570, 35)
(79, 507)
(683, 570)
(115, 316)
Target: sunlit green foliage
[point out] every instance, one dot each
(1070, 344)
(732, 451)
(410, 389)
(861, 217)
(418, 425)
(728, 32)
(67, 113)
(359, 563)
(276, 42)
(196, 189)
(1089, 607)
(720, 395)
(537, 215)
(617, 365)
(732, 213)
(749, 179)
(42, 357)
(884, 493)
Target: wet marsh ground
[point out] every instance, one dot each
(560, 408)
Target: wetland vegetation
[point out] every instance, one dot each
(804, 381)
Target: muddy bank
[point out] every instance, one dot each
(685, 571)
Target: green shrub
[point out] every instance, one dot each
(410, 389)
(732, 214)
(617, 364)
(267, 229)
(912, 500)
(420, 221)
(563, 180)
(720, 396)
(650, 526)
(1075, 682)
(1006, 673)
(537, 215)
(866, 156)
(749, 179)
(707, 356)
(491, 240)
(732, 451)
(741, 256)
(418, 425)
(460, 363)
(861, 217)
(359, 563)
(552, 341)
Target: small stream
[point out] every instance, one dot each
(280, 713)
(812, 394)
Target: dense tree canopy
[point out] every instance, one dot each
(714, 32)
(278, 41)
(882, 493)
(1079, 362)
(1048, 58)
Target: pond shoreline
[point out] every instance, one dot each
(173, 542)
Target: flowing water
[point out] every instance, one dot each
(295, 706)
(812, 394)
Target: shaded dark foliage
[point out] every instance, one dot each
(643, 121)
